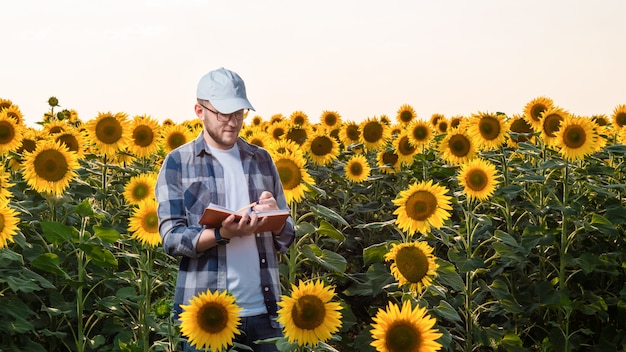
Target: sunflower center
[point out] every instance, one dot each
(330, 119)
(620, 119)
(69, 141)
(405, 147)
(277, 133)
(308, 312)
(175, 140)
(297, 135)
(421, 205)
(140, 191)
(574, 136)
(28, 145)
(1, 223)
(109, 130)
(289, 173)
(536, 111)
(352, 132)
(143, 136)
(212, 318)
(372, 132)
(521, 126)
(551, 124)
(356, 169)
(402, 337)
(390, 158)
(321, 146)
(7, 132)
(299, 120)
(51, 165)
(412, 263)
(420, 133)
(151, 222)
(459, 145)
(476, 180)
(489, 127)
(406, 116)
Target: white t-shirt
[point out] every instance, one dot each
(242, 257)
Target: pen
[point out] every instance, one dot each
(247, 207)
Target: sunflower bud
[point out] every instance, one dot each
(53, 101)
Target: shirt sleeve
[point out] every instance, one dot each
(179, 239)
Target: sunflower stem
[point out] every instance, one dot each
(562, 252)
(469, 318)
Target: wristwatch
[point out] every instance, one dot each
(218, 238)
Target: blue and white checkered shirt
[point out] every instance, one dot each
(191, 178)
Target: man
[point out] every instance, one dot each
(219, 167)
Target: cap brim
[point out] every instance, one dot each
(227, 106)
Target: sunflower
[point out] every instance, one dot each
(619, 116)
(8, 223)
(73, 139)
(404, 329)
(308, 315)
(11, 133)
(5, 185)
(110, 132)
(457, 121)
(285, 146)
(350, 133)
(357, 168)
(330, 119)
(13, 111)
(50, 167)
(404, 149)
(322, 148)
(534, 110)
(478, 178)
(373, 133)
(144, 223)
(299, 118)
(139, 188)
(5, 103)
(488, 131)
(173, 136)
(435, 118)
(55, 126)
(406, 114)
(457, 147)
(298, 133)
(520, 131)
(551, 123)
(259, 138)
(195, 126)
(277, 130)
(421, 206)
(443, 125)
(577, 138)
(211, 320)
(256, 121)
(277, 118)
(420, 133)
(388, 161)
(144, 136)
(293, 176)
(413, 265)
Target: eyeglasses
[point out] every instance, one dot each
(238, 115)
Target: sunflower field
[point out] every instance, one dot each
(485, 232)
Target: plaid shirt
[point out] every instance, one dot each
(191, 178)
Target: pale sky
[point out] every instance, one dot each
(359, 58)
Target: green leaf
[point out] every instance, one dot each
(57, 233)
(329, 230)
(84, 209)
(107, 235)
(304, 228)
(98, 255)
(49, 262)
(375, 253)
(448, 276)
(327, 213)
(19, 284)
(446, 311)
(7, 257)
(327, 259)
(505, 238)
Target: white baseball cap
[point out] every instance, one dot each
(225, 90)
